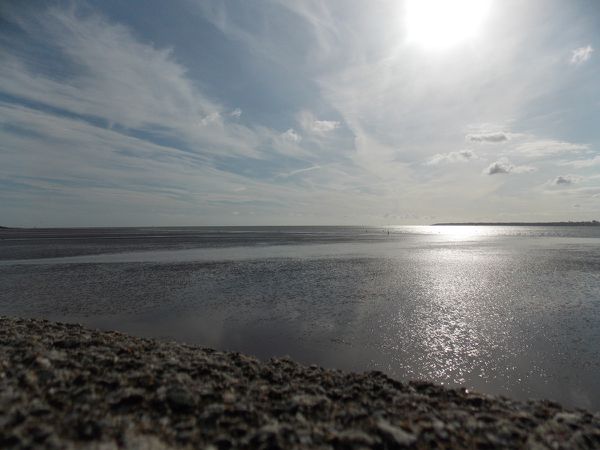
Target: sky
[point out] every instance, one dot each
(277, 112)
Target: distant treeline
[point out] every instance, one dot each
(593, 223)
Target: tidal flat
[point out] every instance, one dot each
(511, 311)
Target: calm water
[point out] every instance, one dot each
(504, 310)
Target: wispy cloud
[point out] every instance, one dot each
(494, 137)
(581, 55)
(92, 133)
(549, 147)
(296, 172)
(581, 163)
(588, 192)
(120, 80)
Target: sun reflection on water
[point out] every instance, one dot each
(457, 333)
(462, 232)
(456, 233)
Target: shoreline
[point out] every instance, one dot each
(65, 386)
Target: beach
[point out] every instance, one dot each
(66, 386)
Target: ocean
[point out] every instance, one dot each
(498, 309)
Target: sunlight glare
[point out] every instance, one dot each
(440, 24)
(462, 232)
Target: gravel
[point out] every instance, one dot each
(65, 386)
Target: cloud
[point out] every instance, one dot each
(565, 180)
(295, 172)
(68, 171)
(523, 169)
(494, 137)
(562, 180)
(85, 161)
(291, 135)
(210, 118)
(581, 192)
(116, 76)
(451, 157)
(581, 55)
(112, 76)
(582, 163)
(545, 147)
(499, 167)
(123, 128)
(323, 126)
(313, 125)
(504, 166)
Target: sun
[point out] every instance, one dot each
(439, 24)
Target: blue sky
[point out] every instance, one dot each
(201, 112)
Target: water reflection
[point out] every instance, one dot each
(460, 331)
(498, 313)
(463, 232)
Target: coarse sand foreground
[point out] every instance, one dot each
(64, 386)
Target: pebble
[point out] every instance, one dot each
(395, 435)
(180, 399)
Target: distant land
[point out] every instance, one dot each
(593, 223)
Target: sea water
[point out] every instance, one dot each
(502, 310)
